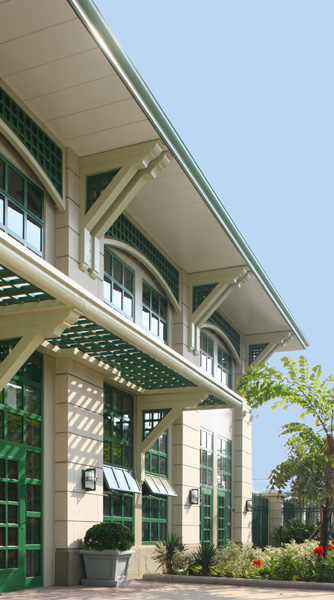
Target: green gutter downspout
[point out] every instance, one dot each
(104, 38)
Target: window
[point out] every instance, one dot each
(156, 457)
(224, 367)
(118, 284)
(155, 504)
(118, 451)
(155, 312)
(154, 519)
(224, 481)
(118, 428)
(206, 353)
(206, 458)
(206, 486)
(21, 207)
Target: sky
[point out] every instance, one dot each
(248, 86)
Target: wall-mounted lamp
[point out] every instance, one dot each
(88, 479)
(193, 496)
(249, 506)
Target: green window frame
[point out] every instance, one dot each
(154, 511)
(156, 458)
(21, 207)
(225, 367)
(118, 287)
(206, 450)
(206, 464)
(224, 482)
(21, 418)
(118, 451)
(155, 312)
(118, 507)
(118, 428)
(154, 518)
(207, 353)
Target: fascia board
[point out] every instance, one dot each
(37, 271)
(103, 36)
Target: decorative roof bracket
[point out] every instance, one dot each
(271, 343)
(225, 281)
(134, 171)
(31, 324)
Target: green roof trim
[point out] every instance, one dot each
(133, 364)
(46, 152)
(104, 38)
(212, 401)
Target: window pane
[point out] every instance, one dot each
(15, 185)
(2, 174)
(154, 324)
(33, 400)
(34, 200)
(146, 508)
(128, 304)
(33, 498)
(117, 505)
(2, 558)
(155, 303)
(14, 428)
(15, 220)
(1, 425)
(163, 331)
(146, 295)
(107, 290)
(2, 206)
(163, 466)
(117, 296)
(33, 368)
(33, 433)
(117, 271)
(107, 452)
(12, 514)
(163, 530)
(33, 465)
(13, 559)
(163, 308)
(2, 517)
(12, 492)
(33, 558)
(128, 280)
(117, 454)
(154, 532)
(34, 234)
(127, 506)
(2, 465)
(146, 318)
(127, 456)
(146, 532)
(107, 262)
(12, 537)
(14, 394)
(33, 529)
(107, 505)
(12, 469)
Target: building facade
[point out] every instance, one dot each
(129, 304)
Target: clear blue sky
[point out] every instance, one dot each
(248, 85)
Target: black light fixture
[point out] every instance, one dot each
(193, 496)
(88, 479)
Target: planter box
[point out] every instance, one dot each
(108, 568)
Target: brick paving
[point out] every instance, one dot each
(150, 590)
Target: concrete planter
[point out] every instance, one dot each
(108, 568)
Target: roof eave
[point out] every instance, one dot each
(104, 38)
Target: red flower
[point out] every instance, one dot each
(318, 550)
(331, 546)
(257, 563)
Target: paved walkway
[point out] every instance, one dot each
(151, 590)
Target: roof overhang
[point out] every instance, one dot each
(89, 97)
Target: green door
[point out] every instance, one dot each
(224, 518)
(12, 518)
(206, 516)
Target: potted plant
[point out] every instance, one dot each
(106, 553)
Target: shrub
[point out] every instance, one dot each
(108, 536)
(167, 553)
(294, 529)
(204, 560)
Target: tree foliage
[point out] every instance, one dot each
(309, 467)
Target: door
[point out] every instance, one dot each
(12, 518)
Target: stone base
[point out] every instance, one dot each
(69, 568)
